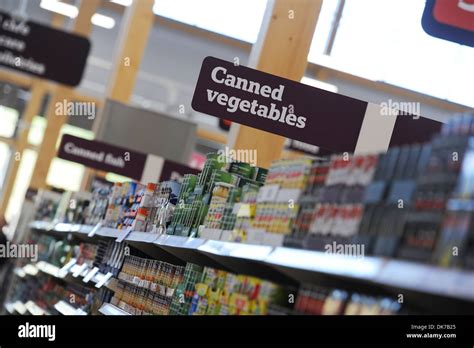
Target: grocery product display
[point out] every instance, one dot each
(319, 301)
(41, 284)
(412, 190)
(155, 287)
(208, 197)
(249, 172)
(412, 203)
(145, 286)
(393, 205)
(46, 205)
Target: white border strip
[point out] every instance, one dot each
(152, 169)
(376, 131)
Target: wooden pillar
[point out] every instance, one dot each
(133, 38)
(47, 150)
(281, 49)
(57, 20)
(38, 90)
(136, 26)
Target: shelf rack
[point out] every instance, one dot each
(422, 283)
(110, 309)
(66, 309)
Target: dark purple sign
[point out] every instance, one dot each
(330, 121)
(278, 105)
(102, 156)
(42, 51)
(410, 130)
(175, 171)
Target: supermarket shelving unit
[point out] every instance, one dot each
(428, 286)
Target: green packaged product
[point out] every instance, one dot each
(259, 174)
(240, 168)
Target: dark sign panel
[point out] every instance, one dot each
(309, 115)
(175, 171)
(451, 20)
(410, 130)
(278, 105)
(102, 156)
(42, 51)
(110, 158)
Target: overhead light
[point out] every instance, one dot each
(122, 2)
(72, 11)
(62, 8)
(103, 21)
(319, 84)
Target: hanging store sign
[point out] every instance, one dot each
(175, 171)
(141, 167)
(451, 20)
(102, 156)
(41, 51)
(297, 111)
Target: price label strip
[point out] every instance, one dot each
(79, 270)
(104, 280)
(267, 193)
(273, 239)
(75, 228)
(66, 268)
(51, 226)
(123, 235)
(255, 236)
(95, 229)
(152, 237)
(90, 275)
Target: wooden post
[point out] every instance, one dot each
(281, 49)
(133, 38)
(15, 78)
(47, 150)
(37, 92)
(57, 20)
